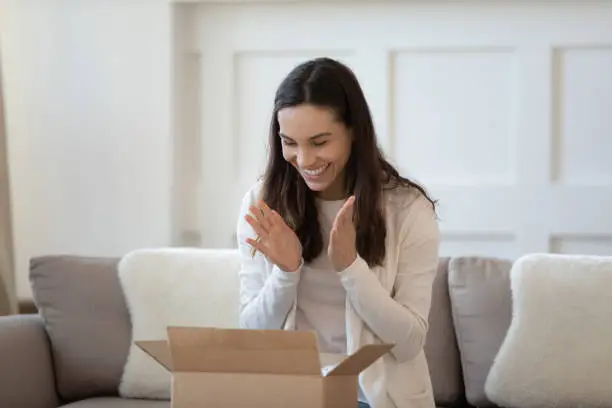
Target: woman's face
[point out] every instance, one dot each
(318, 146)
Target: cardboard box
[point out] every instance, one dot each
(223, 368)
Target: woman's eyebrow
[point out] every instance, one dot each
(317, 136)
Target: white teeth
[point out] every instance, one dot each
(316, 172)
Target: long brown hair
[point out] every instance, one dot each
(328, 83)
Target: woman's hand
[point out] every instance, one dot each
(276, 240)
(342, 250)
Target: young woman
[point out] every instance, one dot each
(335, 241)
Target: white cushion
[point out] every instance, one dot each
(557, 351)
(173, 286)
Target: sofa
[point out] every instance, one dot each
(73, 351)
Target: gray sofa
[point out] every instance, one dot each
(72, 353)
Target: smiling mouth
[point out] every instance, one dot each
(316, 172)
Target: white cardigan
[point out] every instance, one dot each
(388, 304)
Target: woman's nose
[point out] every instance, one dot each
(305, 158)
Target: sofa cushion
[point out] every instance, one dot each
(441, 346)
(117, 403)
(84, 312)
(26, 368)
(482, 309)
(174, 286)
(557, 350)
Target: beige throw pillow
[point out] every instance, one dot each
(178, 287)
(557, 352)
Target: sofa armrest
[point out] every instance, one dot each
(26, 371)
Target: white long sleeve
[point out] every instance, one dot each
(403, 318)
(265, 303)
(389, 303)
(398, 316)
(267, 293)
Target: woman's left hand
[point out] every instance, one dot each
(342, 249)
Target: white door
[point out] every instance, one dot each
(504, 111)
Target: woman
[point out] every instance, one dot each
(334, 241)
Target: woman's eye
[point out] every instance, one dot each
(320, 143)
(288, 142)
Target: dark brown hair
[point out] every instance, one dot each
(328, 83)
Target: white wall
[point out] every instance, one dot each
(88, 109)
(98, 166)
(501, 108)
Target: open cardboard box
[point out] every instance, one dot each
(223, 368)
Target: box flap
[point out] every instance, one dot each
(360, 360)
(244, 351)
(159, 350)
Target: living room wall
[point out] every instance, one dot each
(87, 87)
(131, 122)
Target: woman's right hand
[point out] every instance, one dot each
(277, 241)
